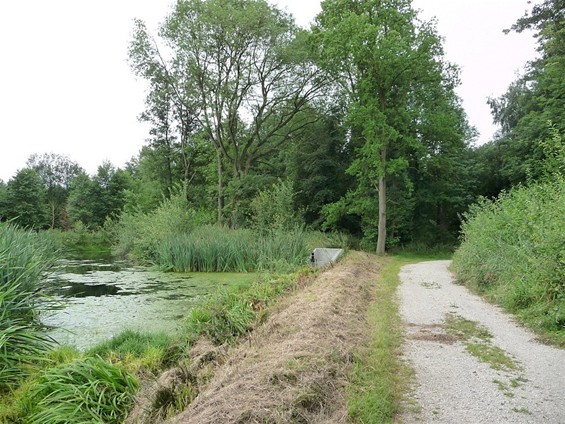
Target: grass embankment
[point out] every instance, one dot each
(513, 253)
(381, 380)
(39, 384)
(112, 369)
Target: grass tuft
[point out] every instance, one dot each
(478, 343)
(137, 351)
(89, 390)
(234, 312)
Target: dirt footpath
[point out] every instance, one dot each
(473, 363)
(293, 368)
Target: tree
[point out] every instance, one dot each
(83, 197)
(318, 159)
(388, 63)
(93, 200)
(241, 68)
(57, 172)
(532, 111)
(26, 200)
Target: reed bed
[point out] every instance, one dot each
(218, 249)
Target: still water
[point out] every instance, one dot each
(92, 300)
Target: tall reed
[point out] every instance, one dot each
(217, 249)
(24, 256)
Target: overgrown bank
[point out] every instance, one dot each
(513, 252)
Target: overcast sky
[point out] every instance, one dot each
(66, 86)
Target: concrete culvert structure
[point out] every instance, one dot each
(322, 257)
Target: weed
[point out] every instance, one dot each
(233, 312)
(24, 256)
(522, 411)
(466, 329)
(478, 343)
(504, 388)
(497, 358)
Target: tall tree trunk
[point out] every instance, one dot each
(220, 188)
(52, 204)
(381, 239)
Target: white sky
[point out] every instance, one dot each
(66, 86)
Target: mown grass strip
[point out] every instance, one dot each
(380, 379)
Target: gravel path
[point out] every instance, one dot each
(452, 385)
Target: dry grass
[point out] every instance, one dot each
(294, 368)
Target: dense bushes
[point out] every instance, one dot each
(178, 238)
(139, 234)
(513, 250)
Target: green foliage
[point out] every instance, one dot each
(513, 251)
(93, 200)
(247, 110)
(3, 197)
(86, 391)
(218, 249)
(554, 153)
(532, 111)
(273, 209)
(317, 163)
(233, 313)
(82, 242)
(24, 256)
(141, 234)
(56, 172)
(26, 202)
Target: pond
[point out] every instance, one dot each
(92, 300)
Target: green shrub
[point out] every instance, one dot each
(273, 209)
(84, 391)
(139, 233)
(513, 250)
(82, 242)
